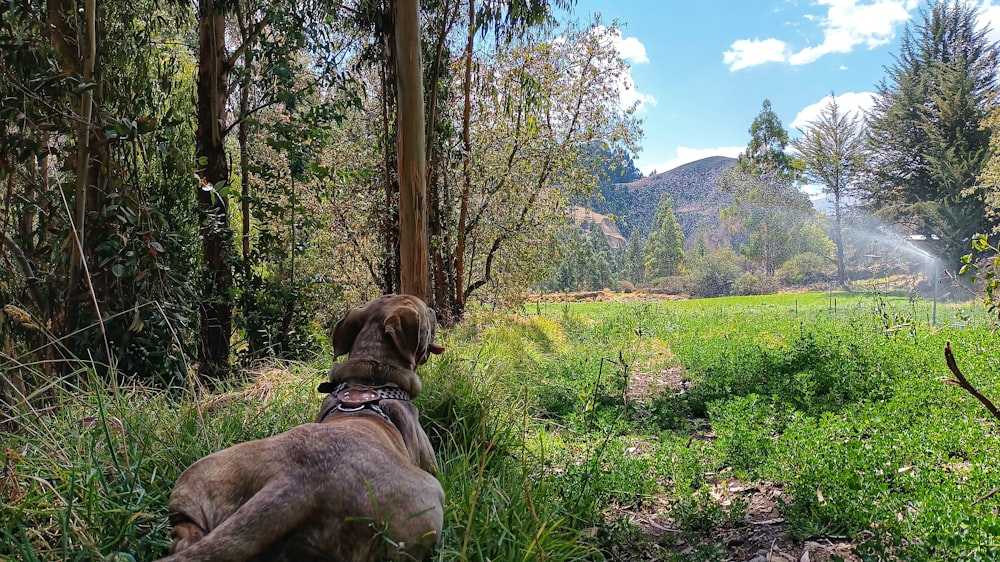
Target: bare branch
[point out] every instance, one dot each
(963, 383)
(34, 284)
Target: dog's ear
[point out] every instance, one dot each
(402, 324)
(347, 330)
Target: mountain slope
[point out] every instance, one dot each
(696, 196)
(584, 217)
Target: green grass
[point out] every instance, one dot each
(833, 397)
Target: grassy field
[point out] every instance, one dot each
(689, 430)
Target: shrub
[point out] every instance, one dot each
(712, 275)
(745, 427)
(670, 411)
(750, 284)
(819, 371)
(807, 268)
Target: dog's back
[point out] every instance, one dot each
(346, 490)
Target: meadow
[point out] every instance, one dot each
(710, 429)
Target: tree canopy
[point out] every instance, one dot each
(927, 128)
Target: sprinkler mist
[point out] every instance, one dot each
(908, 248)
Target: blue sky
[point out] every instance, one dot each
(703, 68)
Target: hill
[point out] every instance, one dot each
(585, 217)
(696, 196)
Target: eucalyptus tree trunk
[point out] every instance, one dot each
(216, 307)
(388, 267)
(410, 146)
(442, 276)
(461, 232)
(77, 46)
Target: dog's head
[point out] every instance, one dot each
(398, 329)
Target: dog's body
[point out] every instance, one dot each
(357, 485)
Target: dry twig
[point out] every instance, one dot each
(963, 383)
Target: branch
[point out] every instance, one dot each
(963, 383)
(257, 29)
(488, 274)
(34, 284)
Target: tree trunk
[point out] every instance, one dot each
(410, 146)
(437, 188)
(458, 306)
(216, 300)
(838, 241)
(389, 274)
(80, 286)
(245, 166)
(243, 138)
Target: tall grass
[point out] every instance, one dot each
(833, 398)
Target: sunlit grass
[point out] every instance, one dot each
(539, 454)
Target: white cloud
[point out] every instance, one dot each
(746, 53)
(990, 15)
(851, 102)
(631, 50)
(847, 25)
(686, 155)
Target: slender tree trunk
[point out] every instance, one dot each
(410, 146)
(439, 246)
(216, 299)
(245, 163)
(458, 307)
(838, 240)
(389, 281)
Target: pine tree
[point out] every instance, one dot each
(832, 148)
(665, 246)
(634, 267)
(927, 127)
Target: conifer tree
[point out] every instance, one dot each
(832, 148)
(634, 266)
(665, 246)
(927, 127)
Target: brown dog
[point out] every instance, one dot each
(357, 485)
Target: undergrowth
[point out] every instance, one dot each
(546, 453)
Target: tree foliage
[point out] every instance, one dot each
(664, 254)
(768, 209)
(96, 161)
(832, 148)
(928, 127)
(765, 154)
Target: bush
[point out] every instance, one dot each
(806, 268)
(820, 371)
(713, 275)
(746, 428)
(750, 284)
(670, 411)
(673, 285)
